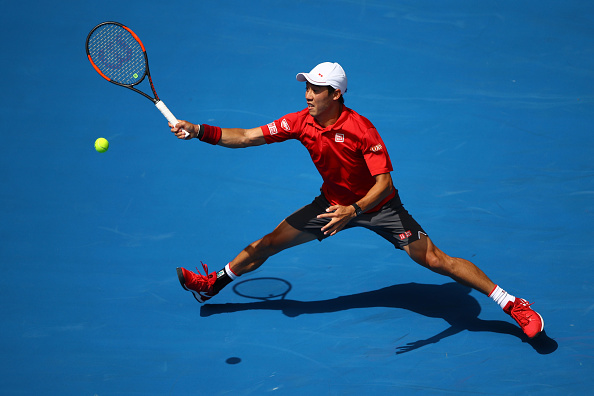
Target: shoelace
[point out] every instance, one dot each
(518, 312)
(208, 282)
(204, 267)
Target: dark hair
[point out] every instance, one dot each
(331, 91)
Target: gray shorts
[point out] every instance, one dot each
(391, 222)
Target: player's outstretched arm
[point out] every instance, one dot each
(239, 138)
(226, 137)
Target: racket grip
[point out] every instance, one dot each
(169, 115)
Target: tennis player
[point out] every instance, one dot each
(357, 191)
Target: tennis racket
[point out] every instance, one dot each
(119, 56)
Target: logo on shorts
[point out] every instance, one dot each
(339, 138)
(272, 128)
(405, 235)
(285, 125)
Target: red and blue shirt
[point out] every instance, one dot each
(348, 154)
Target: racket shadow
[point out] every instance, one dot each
(450, 302)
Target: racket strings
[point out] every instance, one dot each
(117, 54)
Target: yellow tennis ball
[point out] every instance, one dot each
(101, 145)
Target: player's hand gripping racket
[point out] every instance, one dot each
(118, 55)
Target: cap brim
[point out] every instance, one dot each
(302, 77)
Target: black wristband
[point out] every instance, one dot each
(358, 210)
(200, 132)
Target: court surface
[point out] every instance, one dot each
(486, 109)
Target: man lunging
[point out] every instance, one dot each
(357, 191)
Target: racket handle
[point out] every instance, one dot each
(169, 115)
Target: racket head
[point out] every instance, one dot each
(117, 54)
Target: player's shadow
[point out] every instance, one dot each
(450, 302)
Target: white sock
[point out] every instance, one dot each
(230, 272)
(501, 297)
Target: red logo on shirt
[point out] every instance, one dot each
(339, 137)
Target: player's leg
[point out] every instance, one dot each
(255, 254)
(424, 252)
(300, 227)
(397, 226)
(204, 287)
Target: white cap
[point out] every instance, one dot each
(324, 74)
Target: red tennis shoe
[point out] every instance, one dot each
(528, 319)
(200, 285)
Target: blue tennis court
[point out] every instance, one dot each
(486, 109)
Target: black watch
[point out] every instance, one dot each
(358, 210)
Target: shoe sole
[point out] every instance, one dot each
(182, 281)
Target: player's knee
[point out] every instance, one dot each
(439, 262)
(434, 262)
